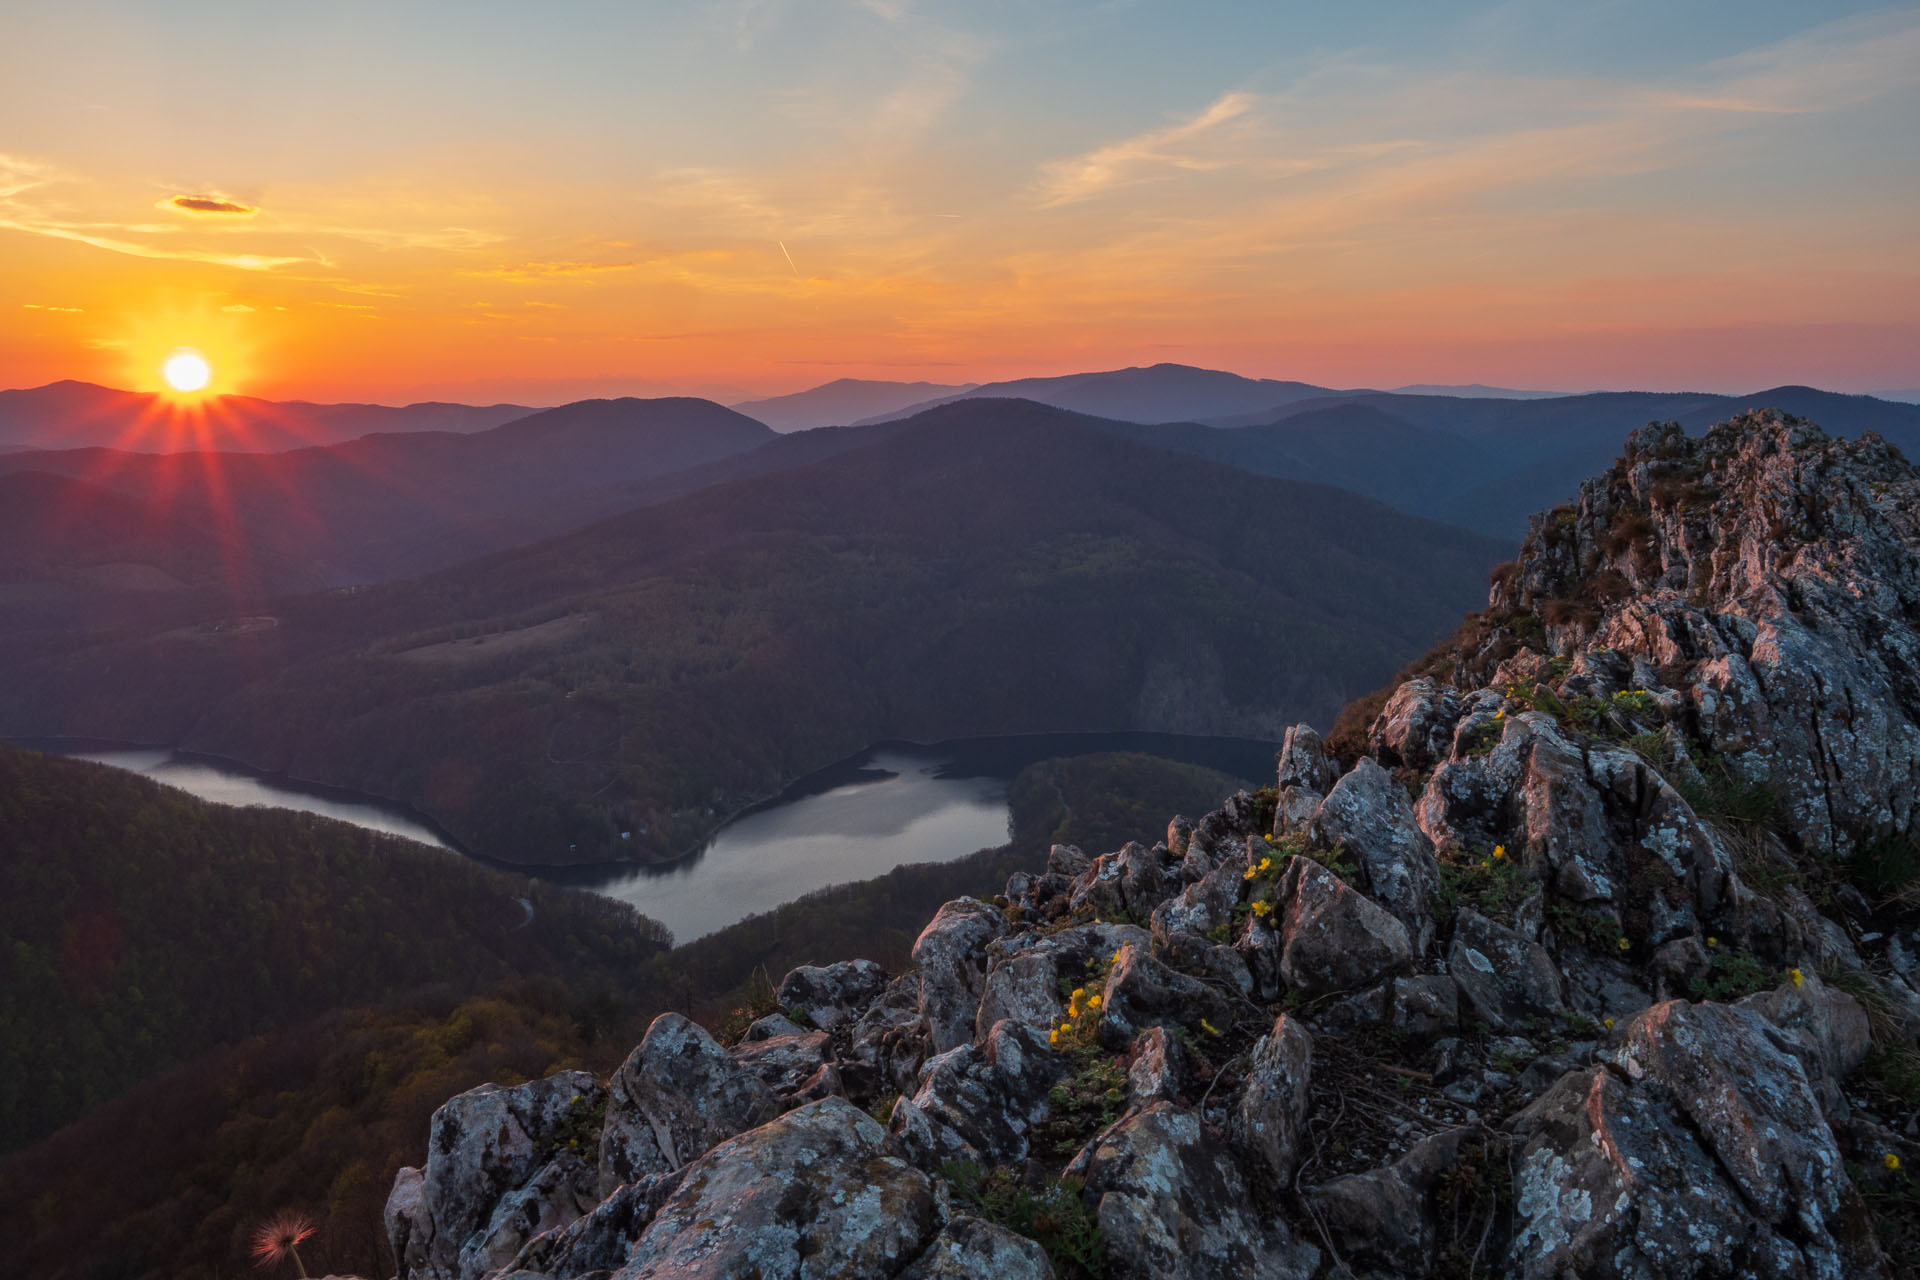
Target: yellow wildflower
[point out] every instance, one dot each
(1093, 1002)
(1249, 873)
(1499, 852)
(1066, 1028)
(1053, 1036)
(1269, 837)
(1891, 1161)
(1609, 1023)
(1712, 943)
(1266, 863)
(1795, 975)
(1262, 908)
(1078, 992)
(1485, 865)
(1209, 1028)
(1116, 955)
(1501, 714)
(1626, 944)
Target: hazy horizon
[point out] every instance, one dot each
(750, 198)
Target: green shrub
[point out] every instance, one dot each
(1054, 1216)
(1731, 975)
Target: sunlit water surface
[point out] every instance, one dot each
(893, 804)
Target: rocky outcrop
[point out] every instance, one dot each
(1569, 963)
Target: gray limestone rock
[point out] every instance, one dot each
(1271, 1113)
(1333, 937)
(1173, 1205)
(819, 1192)
(832, 995)
(951, 954)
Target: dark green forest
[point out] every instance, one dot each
(144, 928)
(169, 1179)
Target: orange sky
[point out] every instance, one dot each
(765, 198)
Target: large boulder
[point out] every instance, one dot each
(1384, 1218)
(1699, 1151)
(1332, 937)
(1504, 979)
(1370, 814)
(968, 1248)
(601, 1239)
(1141, 992)
(819, 1192)
(1415, 728)
(1131, 881)
(951, 954)
(677, 1095)
(832, 995)
(482, 1147)
(981, 1102)
(1270, 1116)
(1173, 1205)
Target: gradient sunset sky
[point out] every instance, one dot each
(538, 202)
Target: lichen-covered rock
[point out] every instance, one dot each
(980, 1102)
(1825, 1028)
(951, 954)
(1132, 880)
(968, 1248)
(1369, 813)
(784, 1063)
(484, 1146)
(1385, 1218)
(1504, 979)
(1424, 1006)
(1303, 761)
(601, 1239)
(819, 1192)
(677, 1094)
(1700, 1152)
(834, 994)
(1271, 1114)
(1415, 728)
(1173, 1205)
(1141, 992)
(1024, 987)
(1157, 1068)
(1201, 907)
(1332, 937)
(553, 1198)
(888, 1039)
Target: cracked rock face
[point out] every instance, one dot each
(1560, 1013)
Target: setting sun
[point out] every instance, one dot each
(186, 370)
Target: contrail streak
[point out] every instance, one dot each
(783, 249)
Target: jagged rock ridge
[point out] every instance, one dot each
(1570, 972)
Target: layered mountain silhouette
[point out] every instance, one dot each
(359, 511)
(989, 568)
(71, 415)
(1160, 393)
(844, 400)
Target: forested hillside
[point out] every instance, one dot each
(143, 928)
(169, 1180)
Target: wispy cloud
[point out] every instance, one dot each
(1143, 156)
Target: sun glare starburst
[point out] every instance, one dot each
(187, 371)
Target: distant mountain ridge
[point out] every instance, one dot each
(843, 400)
(1158, 393)
(988, 568)
(72, 415)
(341, 510)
